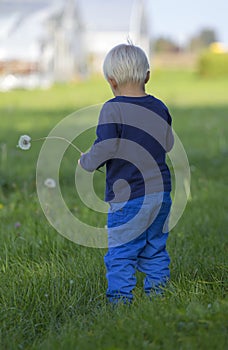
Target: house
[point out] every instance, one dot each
(58, 40)
(41, 40)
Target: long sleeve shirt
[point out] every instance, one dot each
(133, 136)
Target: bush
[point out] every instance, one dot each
(212, 64)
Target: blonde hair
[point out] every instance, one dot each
(126, 63)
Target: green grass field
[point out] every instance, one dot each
(52, 291)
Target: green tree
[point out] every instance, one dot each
(164, 44)
(202, 40)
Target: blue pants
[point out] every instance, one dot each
(146, 252)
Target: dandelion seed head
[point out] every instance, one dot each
(24, 142)
(50, 183)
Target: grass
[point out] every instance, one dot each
(52, 292)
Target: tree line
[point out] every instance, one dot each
(196, 43)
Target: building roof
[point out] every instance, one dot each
(21, 27)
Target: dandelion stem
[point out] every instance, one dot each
(63, 139)
(58, 138)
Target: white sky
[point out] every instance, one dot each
(181, 19)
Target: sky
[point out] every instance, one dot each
(181, 19)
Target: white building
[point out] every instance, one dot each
(62, 39)
(109, 23)
(62, 50)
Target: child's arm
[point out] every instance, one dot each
(106, 144)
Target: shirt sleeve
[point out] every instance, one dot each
(106, 143)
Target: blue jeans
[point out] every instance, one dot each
(146, 252)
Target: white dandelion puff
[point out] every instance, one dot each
(24, 142)
(50, 183)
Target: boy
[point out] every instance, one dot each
(133, 136)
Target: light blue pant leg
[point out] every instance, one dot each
(121, 265)
(154, 260)
(121, 261)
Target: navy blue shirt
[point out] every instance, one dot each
(133, 136)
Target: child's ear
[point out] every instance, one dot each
(113, 83)
(147, 77)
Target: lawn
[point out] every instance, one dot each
(52, 291)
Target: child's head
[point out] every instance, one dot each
(126, 64)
